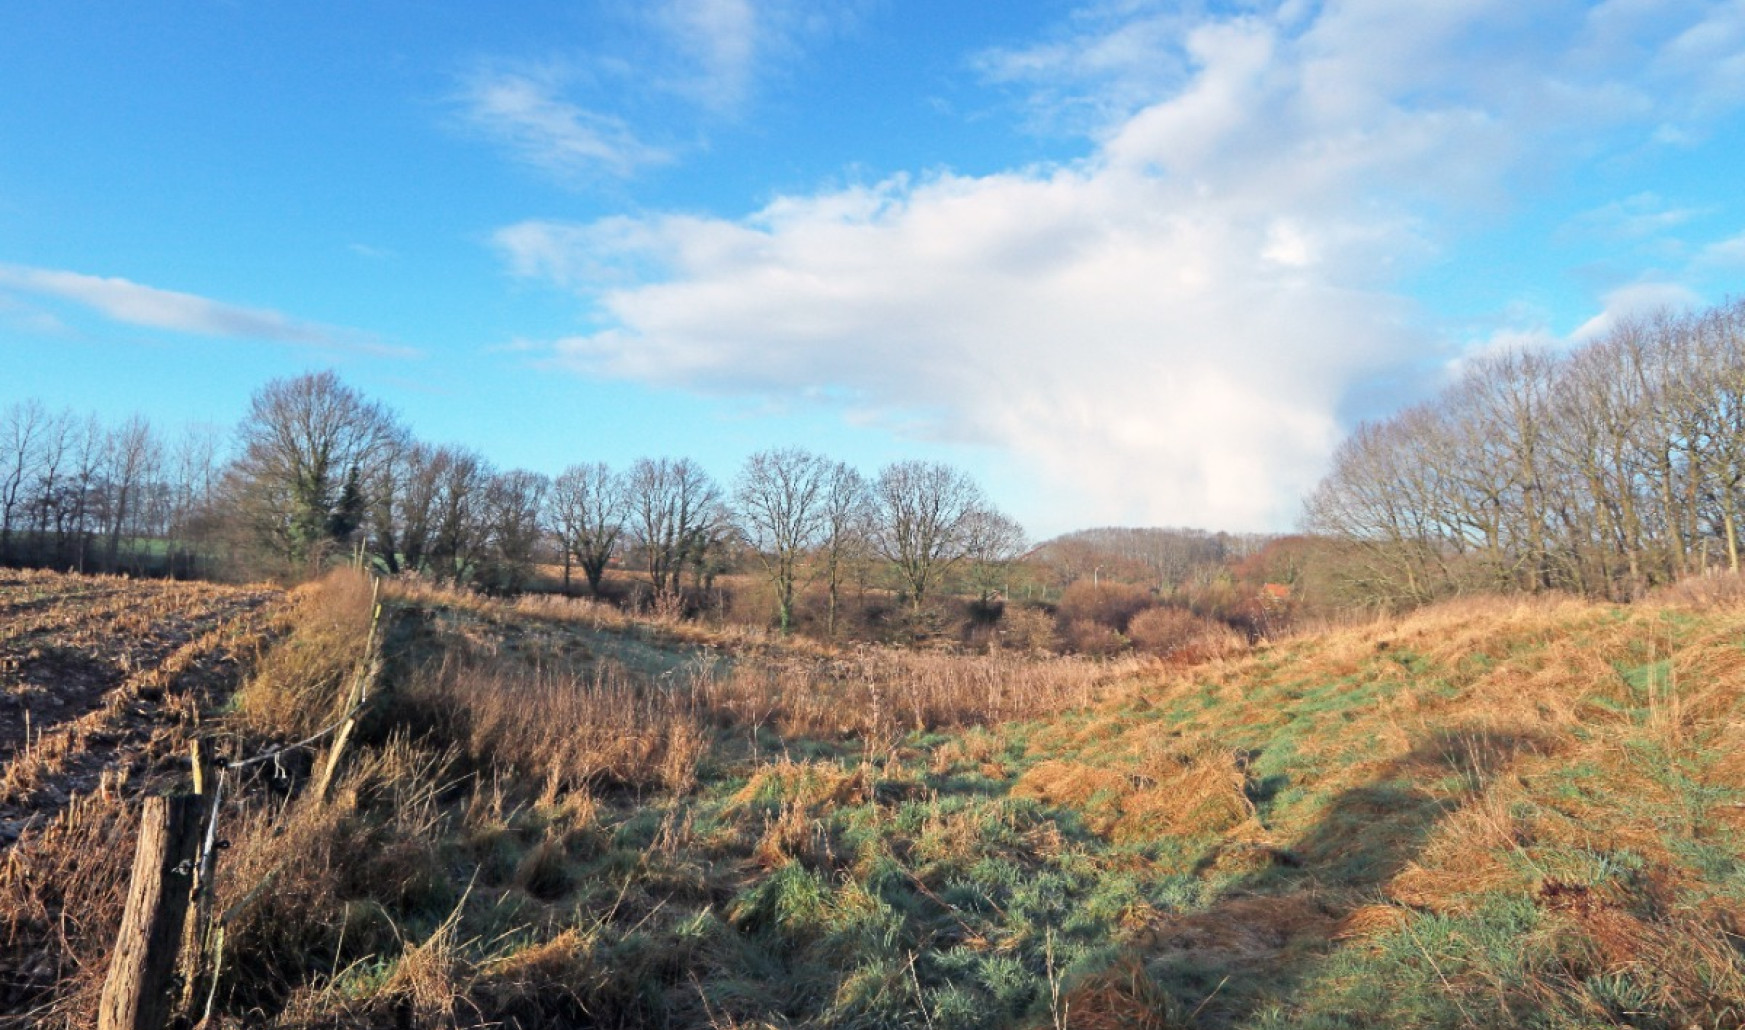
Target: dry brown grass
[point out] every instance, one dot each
(1481, 749)
(1181, 794)
(301, 685)
(878, 693)
(341, 875)
(569, 731)
(1705, 590)
(1118, 998)
(62, 892)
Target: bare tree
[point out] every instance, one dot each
(1164, 558)
(780, 503)
(512, 503)
(50, 490)
(194, 479)
(925, 512)
(134, 458)
(586, 510)
(21, 428)
(1377, 496)
(995, 542)
(1722, 333)
(90, 452)
(402, 504)
(848, 515)
(1607, 470)
(675, 510)
(304, 441)
(458, 533)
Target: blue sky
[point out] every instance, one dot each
(1128, 262)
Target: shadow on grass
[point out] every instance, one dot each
(1279, 917)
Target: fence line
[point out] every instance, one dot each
(138, 988)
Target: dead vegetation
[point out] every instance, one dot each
(112, 677)
(1520, 812)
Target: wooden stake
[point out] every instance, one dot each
(139, 993)
(197, 965)
(202, 765)
(368, 671)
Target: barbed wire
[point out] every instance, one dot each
(204, 889)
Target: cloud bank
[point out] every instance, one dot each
(1169, 327)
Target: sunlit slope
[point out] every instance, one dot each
(1488, 812)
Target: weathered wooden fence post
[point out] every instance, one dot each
(139, 992)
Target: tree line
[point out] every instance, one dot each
(1606, 470)
(321, 474)
(80, 494)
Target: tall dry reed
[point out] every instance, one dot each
(565, 729)
(877, 692)
(300, 685)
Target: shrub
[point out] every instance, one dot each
(1180, 633)
(1089, 637)
(1106, 603)
(1025, 629)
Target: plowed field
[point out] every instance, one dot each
(99, 676)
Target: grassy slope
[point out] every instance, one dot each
(1493, 813)
(1489, 813)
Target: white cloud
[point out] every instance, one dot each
(1643, 298)
(525, 112)
(1169, 327)
(1711, 54)
(28, 318)
(1728, 253)
(1109, 62)
(134, 304)
(1164, 364)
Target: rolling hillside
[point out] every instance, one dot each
(1486, 813)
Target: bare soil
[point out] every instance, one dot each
(101, 678)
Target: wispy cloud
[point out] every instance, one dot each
(722, 50)
(1728, 253)
(722, 41)
(131, 303)
(687, 66)
(1170, 328)
(1637, 217)
(525, 112)
(1109, 61)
